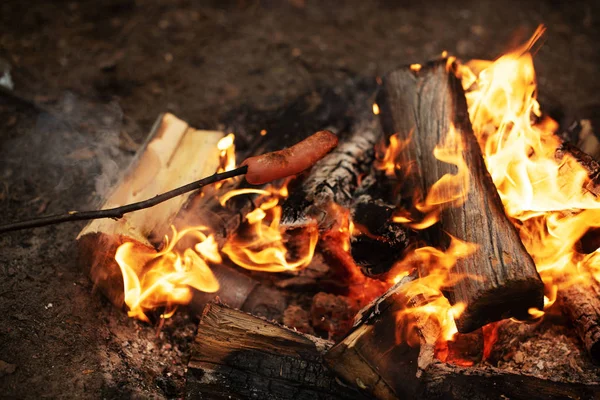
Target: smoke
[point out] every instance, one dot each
(71, 155)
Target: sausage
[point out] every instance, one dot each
(291, 161)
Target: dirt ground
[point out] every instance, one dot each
(97, 74)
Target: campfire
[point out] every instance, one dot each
(450, 216)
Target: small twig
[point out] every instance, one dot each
(118, 212)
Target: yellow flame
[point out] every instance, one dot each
(165, 279)
(226, 153)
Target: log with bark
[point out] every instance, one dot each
(425, 108)
(239, 356)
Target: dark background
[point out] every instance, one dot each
(96, 74)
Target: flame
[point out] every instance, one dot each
(426, 303)
(153, 280)
(226, 153)
(545, 196)
(261, 246)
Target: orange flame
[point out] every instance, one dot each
(430, 306)
(153, 279)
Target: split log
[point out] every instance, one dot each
(174, 154)
(239, 356)
(444, 381)
(374, 357)
(377, 242)
(580, 302)
(500, 279)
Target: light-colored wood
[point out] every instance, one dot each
(499, 280)
(173, 155)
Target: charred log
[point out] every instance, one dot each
(500, 279)
(335, 178)
(239, 356)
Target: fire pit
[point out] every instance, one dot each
(445, 248)
(450, 206)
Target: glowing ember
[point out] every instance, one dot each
(375, 109)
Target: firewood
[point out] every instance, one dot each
(174, 154)
(374, 358)
(589, 164)
(335, 178)
(500, 279)
(445, 381)
(580, 302)
(239, 356)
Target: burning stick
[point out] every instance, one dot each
(426, 107)
(237, 355)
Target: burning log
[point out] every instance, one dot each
(393, 353)
(237, 355)
(335, 178)
(162, 163)
(424, 107)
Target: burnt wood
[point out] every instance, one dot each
(580, 302)
(500, 279)
(445, 381)
(378, 242)
(239, 356)
(334, 178)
